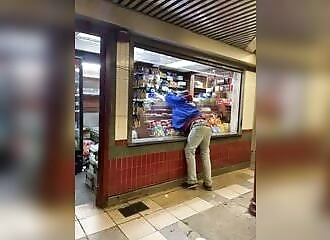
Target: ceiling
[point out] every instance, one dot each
(229, 21)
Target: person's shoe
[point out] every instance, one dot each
(207, 188)
(189, 185)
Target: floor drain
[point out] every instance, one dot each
(133, 209)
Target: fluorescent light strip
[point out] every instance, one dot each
(180, 64)
(85, 36)
(91, 69)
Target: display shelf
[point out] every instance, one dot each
(137, 87)
(180, 88)
(139, 100)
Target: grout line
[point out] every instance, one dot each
(83, 229)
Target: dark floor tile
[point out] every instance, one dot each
(109, 234)
(223, 222)
(244, 200)
(133, 208)
(83, 194)
(180, 231)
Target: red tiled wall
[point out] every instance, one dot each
(134, 172)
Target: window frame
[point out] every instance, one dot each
(184, 54)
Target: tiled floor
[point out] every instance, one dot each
(178, 214)
(83, 194)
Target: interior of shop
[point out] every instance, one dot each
(87, 91)
(215, 90)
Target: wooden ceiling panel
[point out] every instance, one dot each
(229, 21)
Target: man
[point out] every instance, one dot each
(186, 117)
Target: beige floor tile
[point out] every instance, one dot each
(154, 236)
(212, 198)
(153, 207)
(96, 223)
(227, 193)
(118, 218)
(87, 210)
(174, 198)
(140, 199)
(181, 211)
(165, 192)
(248, 171)
(161, 219)
(223, 181)
(239, 189)
(78, 231)
(137, 229)
(115, 207)
(198, 204)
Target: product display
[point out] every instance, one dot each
(212, 90)
(151, 117)
(78, 109)
(91, 148)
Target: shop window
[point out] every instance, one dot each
(216, 92)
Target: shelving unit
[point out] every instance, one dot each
(151, 117)
(78, 115)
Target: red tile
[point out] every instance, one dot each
(117, 163)
(175, 155)
(139, 182)
(123, 177)
(149, 159)
(144, 181)
(129, 177)
(141, 160)
(165, 156)
(134, 161)
(155, 157)
(134, 177)
(131, 162)
(179, 155)
(112, 163)
(172, 174)
(144, 160)
(138, 161)
(169, 156)
(139, 172)
(162, 156)
(123, 163)
(177, 173)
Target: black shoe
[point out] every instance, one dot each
(189, 185)
(207, 188)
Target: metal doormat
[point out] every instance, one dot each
(133, 209)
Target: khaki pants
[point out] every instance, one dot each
(199, 136)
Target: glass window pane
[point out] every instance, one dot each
(215, 91)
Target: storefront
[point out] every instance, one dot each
(138, 148)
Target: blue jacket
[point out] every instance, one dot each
(181, 110)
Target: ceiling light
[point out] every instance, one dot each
(91, 66)
(85, 36)
(180, 64)
(91, 69)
